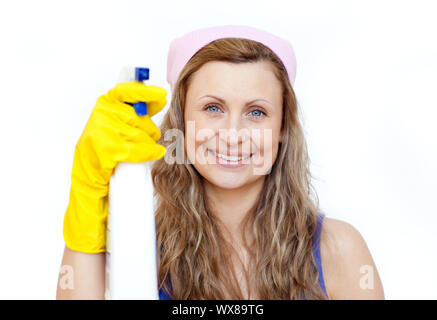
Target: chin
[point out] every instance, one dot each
(229, 180)
(226, 184)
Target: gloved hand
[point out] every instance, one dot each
(114, 133)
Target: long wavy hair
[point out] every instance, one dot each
(194, 253)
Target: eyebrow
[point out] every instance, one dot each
(224, 101)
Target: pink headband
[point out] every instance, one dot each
(182, 49)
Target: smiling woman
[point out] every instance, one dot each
(239, 219)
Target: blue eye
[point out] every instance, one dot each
(215, 108)
(257, 113)
(212, 106)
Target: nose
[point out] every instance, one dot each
(233, 131)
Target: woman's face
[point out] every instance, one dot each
(233, 115)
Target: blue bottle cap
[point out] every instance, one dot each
(141, 74)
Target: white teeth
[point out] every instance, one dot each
(229, 158)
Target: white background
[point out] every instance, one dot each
(366, 83)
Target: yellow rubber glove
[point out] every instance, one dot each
(114, 133)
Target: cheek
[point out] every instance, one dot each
(266, 139)
(197, 132)
(267, 145)
(275, 137)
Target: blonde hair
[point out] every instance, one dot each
(193, 256)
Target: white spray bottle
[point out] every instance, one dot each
(131, 265)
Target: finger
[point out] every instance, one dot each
(134, 91)
(147, 125)
(111, 108)
(136, 135)
(153, 107)
(124, 119)
(116, 143)
(141, 152)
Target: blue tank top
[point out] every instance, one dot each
(316, 254)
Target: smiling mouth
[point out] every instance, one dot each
(229, 158)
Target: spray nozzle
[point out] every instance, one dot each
(141, 74)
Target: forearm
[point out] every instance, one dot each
(82, 276)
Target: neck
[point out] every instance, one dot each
(232, 205)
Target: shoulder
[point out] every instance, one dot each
(348, 267)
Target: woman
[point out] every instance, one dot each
(236, 218)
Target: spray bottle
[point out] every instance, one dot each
(131, 243)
